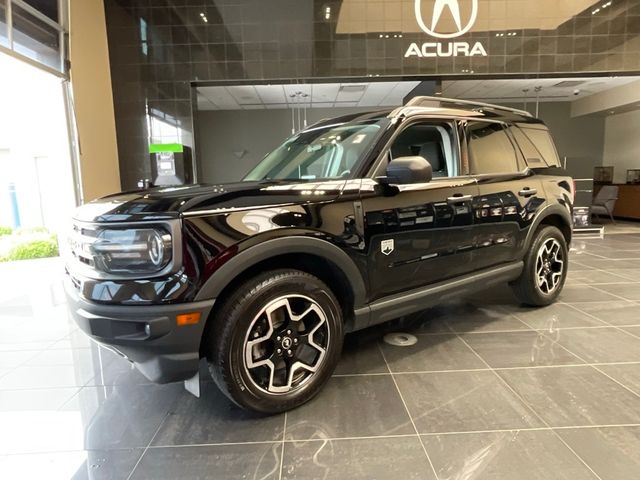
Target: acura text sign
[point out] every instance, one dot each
(432, 26)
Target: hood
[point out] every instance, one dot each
(163, 203)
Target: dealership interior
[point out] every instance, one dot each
(107, 96)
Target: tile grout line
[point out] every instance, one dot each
(424, 448)
(338, 439)
(469, 370)
(164, 419)
(613, 294)
(284, 438)
(505, 383)
(595, 367)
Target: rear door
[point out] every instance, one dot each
(510, 194)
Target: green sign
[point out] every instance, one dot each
(165, 147)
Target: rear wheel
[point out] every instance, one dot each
(545, 268)
(275, 341)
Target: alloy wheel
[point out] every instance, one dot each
(286, 344)
(549, 266)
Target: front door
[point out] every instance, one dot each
(419, 234)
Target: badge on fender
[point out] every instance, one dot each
(387, 246)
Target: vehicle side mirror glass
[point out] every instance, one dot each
(404, 170)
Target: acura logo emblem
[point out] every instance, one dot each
(439, 8)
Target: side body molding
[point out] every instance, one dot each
(283, 246)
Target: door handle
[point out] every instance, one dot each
(459, 199)
(527, 192)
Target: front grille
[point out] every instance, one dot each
(80, 241)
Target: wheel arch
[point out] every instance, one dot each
(554, 215)
(309, 254)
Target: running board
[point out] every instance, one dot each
(395, 306)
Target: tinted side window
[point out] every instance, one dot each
(432, 141)
(490, 150)
(542, 141)
(533, 158)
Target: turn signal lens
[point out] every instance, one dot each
(188, 318)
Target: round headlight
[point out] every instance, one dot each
(156, 249)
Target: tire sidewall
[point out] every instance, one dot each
(241, 384)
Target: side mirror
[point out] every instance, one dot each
(404, 170)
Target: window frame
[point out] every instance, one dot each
(520, 163)
(378, 166)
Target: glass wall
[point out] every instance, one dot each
(35, 30)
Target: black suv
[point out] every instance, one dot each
(352, 222)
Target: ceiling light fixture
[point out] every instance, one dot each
(327, 13)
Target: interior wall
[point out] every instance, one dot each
(580, 139)
(93, 99)
(232, 142)
(622, 144)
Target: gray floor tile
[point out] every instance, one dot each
(635, 331)
(431, 353)
(119, 371)
(53, 376)
(613, 453)
(524, 455)
(17, 347)
(10, 360)
(213, 418)
(584, 293)
(520, 349)
(122, 416)
(361, 459)
(501, 323)
(633, 274)
(359, 357)
(595, 277)
(351, 407)
(629, 291)
(107, 464)
(628, 375)
(574, 396)
(614, 313)
(489, 318)
(49, 399)
(606, 264)
(432, 320)
(554, 316)
(253, 461)
(575, 265)
(600, 345)
(462, 401)
(58, 465)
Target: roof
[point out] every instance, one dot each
(436, 106)
(464, 108)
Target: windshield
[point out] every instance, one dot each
(327, 152)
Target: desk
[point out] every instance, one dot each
(628, 204)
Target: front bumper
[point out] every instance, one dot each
(146, 335)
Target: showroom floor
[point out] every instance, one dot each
(490, 391)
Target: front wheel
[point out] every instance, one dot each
(275, 341)
(545, 268)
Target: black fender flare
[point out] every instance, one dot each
(281, 246)
(555, 209)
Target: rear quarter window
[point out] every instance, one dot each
(537, 145)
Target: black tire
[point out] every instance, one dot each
(241, 317)
(527, 287)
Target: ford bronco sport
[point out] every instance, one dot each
(352, 222)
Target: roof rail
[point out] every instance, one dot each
(423, 101)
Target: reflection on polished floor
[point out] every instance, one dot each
(491, 390)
